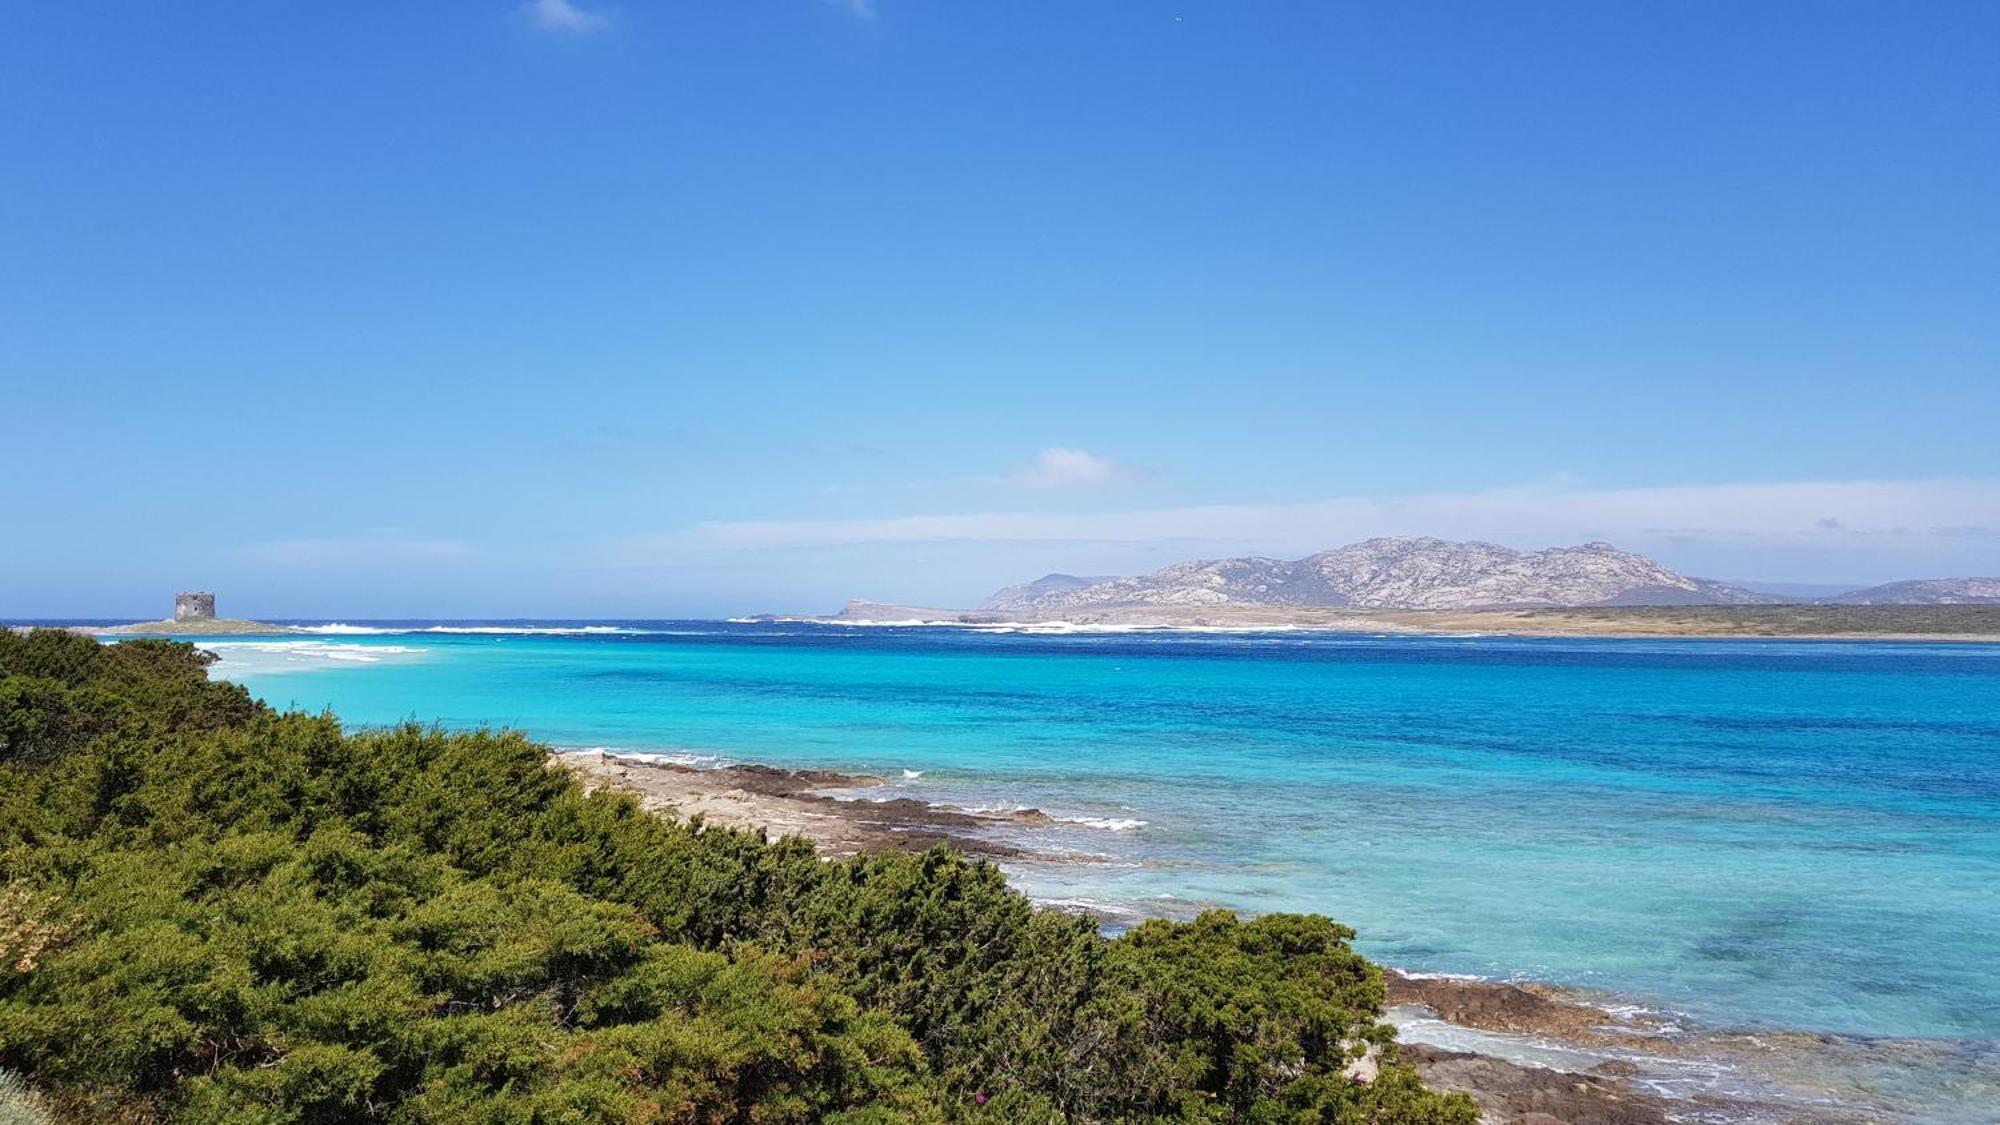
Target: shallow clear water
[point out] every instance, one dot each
(1754, 833)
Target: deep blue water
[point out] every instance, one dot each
(1754, 833)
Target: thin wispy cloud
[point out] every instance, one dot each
(564, 18)
(859, 9)
(1901, 523)
(1057, 467)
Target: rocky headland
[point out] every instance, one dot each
(833, 810)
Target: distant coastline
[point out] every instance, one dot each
(1961, 623)
(1966, 624)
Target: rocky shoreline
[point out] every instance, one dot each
(1623, 1065)
(777, 802)
(1598, 1081)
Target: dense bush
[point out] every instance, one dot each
(214, 912)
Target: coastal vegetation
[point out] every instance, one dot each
(213, 911)
(1967, 622)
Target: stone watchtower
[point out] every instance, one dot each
(194, 607)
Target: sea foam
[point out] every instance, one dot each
(654, 757)
(1107, 823)
(338, 628)
(251, 658)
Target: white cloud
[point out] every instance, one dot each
(564, 17)
(1837, 529)
(1064, 468)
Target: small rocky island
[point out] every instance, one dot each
(194, 614)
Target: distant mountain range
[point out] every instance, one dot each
(1439, 574)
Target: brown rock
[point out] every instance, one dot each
(1497, 1006)
(1530, 1095)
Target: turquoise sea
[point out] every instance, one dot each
(1760, 838)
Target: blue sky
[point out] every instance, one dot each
(467, 308)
